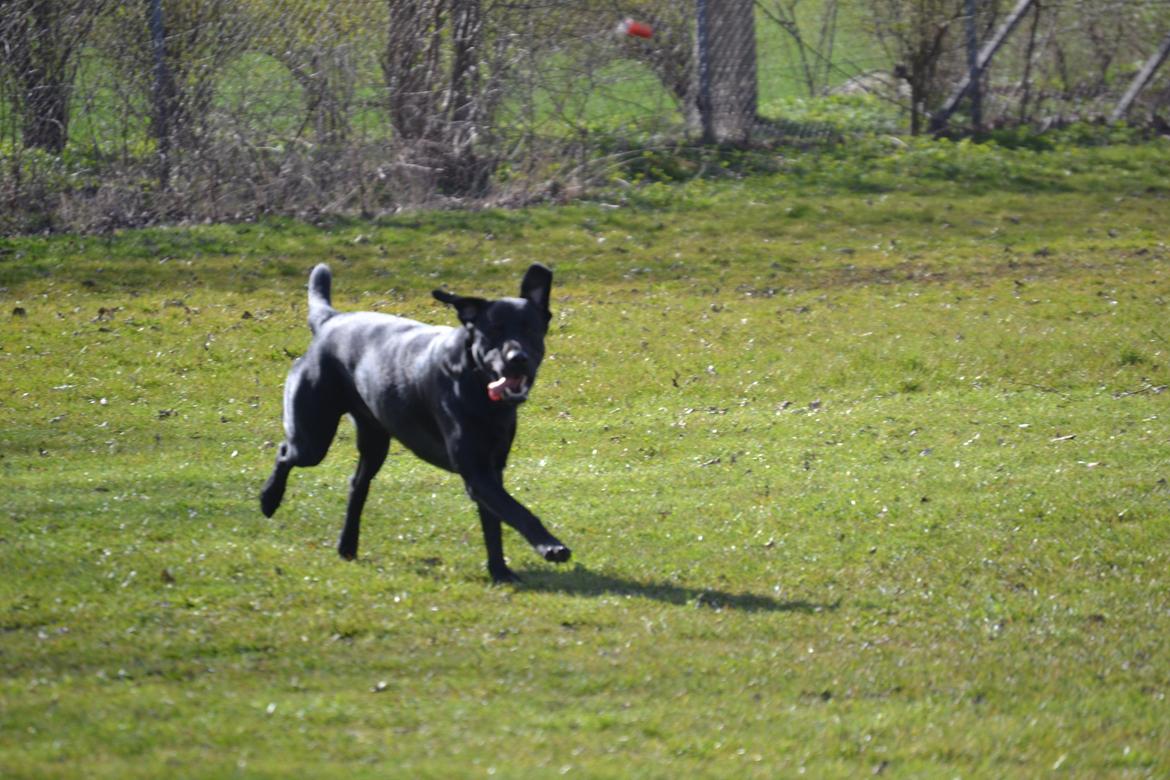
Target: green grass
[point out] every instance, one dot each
(863, 464)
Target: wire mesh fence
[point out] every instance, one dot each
(118, 114)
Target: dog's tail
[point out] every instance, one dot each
(320, 295)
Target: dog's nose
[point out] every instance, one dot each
(516, 359)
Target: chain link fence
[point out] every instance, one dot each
(115, 114)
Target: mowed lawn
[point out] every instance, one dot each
(860, 479)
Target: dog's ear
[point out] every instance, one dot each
(536, 287)
(466, 308)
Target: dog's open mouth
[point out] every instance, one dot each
(509, 388)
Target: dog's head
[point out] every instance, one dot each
(506, 336)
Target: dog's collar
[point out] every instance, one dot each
(482, 374)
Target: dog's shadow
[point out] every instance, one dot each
(580, 581)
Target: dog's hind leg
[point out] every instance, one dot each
(273, 491)
(373, 444)
(310, 422)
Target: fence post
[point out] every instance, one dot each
(162, 96)
(975, 90)
(726, 53)
(939, 121)
(703, 44)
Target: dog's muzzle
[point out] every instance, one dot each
(515, 377)
(513, 389)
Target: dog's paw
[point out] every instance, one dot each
(269, 503)
(502, 575)
(554, 553)
(347, 546)
(272, 494)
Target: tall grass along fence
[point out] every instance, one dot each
(115, 114)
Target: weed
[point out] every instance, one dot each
(1131, 357)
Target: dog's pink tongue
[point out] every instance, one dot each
(496, 388)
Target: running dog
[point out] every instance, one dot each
(449, 394)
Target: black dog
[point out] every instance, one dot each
(448, 394)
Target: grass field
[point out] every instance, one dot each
(864, 464)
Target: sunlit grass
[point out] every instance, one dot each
(856, 482)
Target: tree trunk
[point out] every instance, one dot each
(411, 67)
(1141, 80)
(436, 113)
(40, 39)
(45, 124)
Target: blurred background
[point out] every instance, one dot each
(119, 114)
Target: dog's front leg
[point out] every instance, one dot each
(493, 540)
(495, 503)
